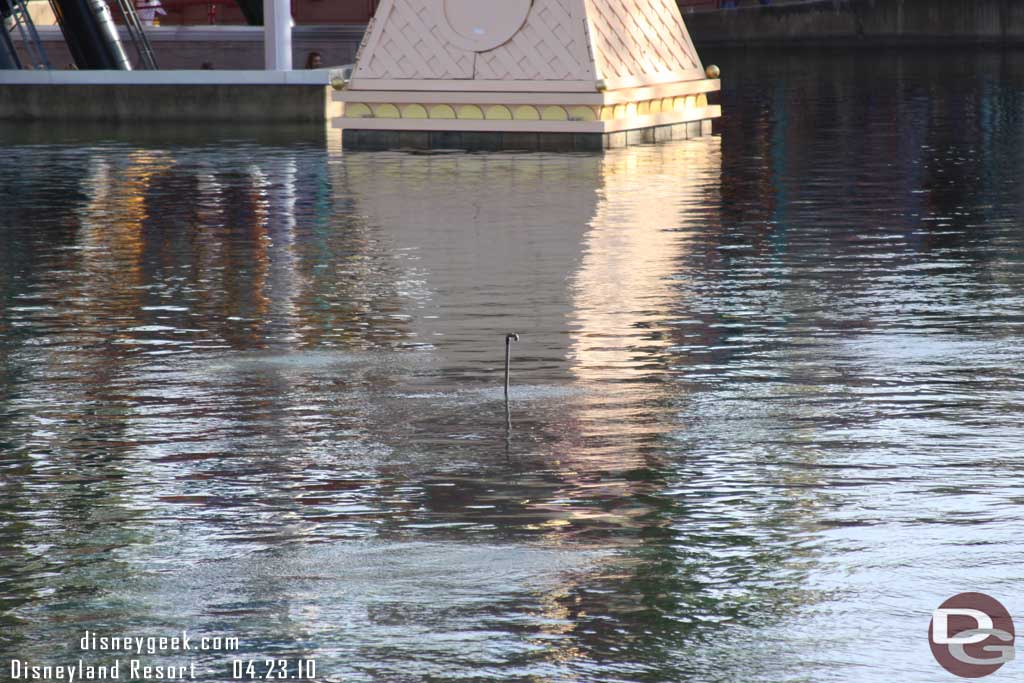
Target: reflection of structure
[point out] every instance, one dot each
(458, 254)
(540, 73)
(624, 286)
(586, 269)
(586, 266)
(624, 299)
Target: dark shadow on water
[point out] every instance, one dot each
(160, 134)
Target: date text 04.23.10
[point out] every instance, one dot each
(273, 669)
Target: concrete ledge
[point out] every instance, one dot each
(484, 141)
(243, 34)
(509, 97)
(197, 103)
(319, 77)
(225, 47)
(530, 125)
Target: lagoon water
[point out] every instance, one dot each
(766, 409)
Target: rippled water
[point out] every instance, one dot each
(766, 409)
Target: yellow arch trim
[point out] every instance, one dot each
(414, 111)
(527, 113)
(553, 113)
(358, 110)
(442, 111)
(386, 111)
(470, 111)
(497, 112)
(582, 114)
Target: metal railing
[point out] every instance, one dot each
(137, 35)
(21, 21)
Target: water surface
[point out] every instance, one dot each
(766, 410)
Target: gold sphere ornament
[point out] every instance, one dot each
(713, 71)
(341, 76)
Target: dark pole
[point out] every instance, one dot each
(91, 38)
(509, 338)
(8, 55)
(252, 10)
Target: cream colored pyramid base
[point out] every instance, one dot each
(507, 120)
(525, 74)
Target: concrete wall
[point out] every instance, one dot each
(830, 22)
(201, 104)
(224, 47)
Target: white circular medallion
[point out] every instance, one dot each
(481, 25)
